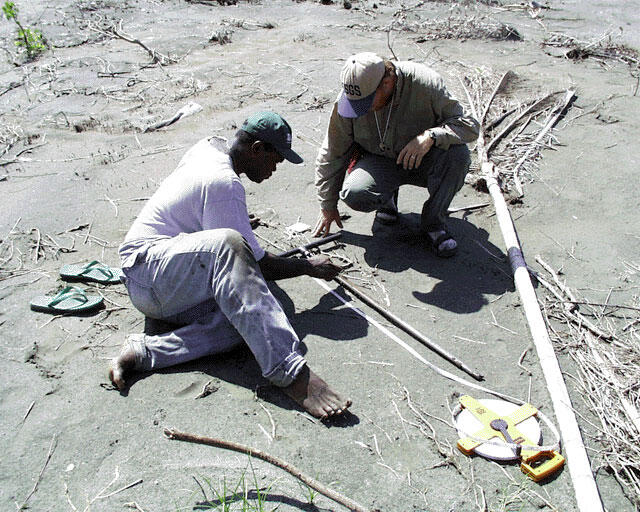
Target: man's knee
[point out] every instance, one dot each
(231, 239)
(459, 157)
(361, 200)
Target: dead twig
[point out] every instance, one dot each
(273, 424)
(607, 377)
(575, 316)
(52, 448)
(252, 452)
(156, 56)
(28, 412)
(207, 389)
(468, 208)
(557, 113)
(521, 358)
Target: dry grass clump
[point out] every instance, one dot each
(9, 136)
(16, 247)
(460, 23)
(603, 339)
(602, 48)
(211, 2)
(463, 28)
(514, 124)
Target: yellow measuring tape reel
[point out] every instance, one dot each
(500, 430)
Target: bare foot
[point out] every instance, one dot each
(120, 366)
(315, 395)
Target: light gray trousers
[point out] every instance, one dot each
(210, 284)
(374, 179)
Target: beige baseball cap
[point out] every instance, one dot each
(360, 77)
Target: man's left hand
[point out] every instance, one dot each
(412, 154)
(322, 268)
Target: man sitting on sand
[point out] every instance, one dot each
(191, 259)
(393, 124)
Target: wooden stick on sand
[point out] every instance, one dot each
(229, 445)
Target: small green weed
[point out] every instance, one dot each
(310, 494)
(31, 40)
(240, 498)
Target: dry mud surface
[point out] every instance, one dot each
(79, 165)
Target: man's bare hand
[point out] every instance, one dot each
(327, 217)
(412, 154)
(322, 268)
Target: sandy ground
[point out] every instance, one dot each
(80, 109)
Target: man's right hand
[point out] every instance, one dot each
(322, 268)
(327, 217)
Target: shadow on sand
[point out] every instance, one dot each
(240, 368)
(479, 269)
(462, 284)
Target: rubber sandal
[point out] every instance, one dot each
(70, 300)
(91, 272)
(434, 245)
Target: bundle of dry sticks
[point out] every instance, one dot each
(603, 339)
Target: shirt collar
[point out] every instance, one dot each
(399, 86)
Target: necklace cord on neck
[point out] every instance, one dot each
(383, 136)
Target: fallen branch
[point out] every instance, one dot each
(344, 282)
(576, 318)
(468, 208)
(188, 110)
(569, 98)
(531, 108)
(156, 56)
(252, 452)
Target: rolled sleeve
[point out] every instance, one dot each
(452, 125)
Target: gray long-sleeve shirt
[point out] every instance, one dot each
(421, 103)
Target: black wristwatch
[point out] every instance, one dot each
(433, 137)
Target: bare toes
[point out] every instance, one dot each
(315, 396)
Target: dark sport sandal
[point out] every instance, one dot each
(434, 245)
(388, 214)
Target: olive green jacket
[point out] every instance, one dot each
(421, 102)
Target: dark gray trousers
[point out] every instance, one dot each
(374, 179)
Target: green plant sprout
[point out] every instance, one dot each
(31, 40)
(310, 493)
(240, 498)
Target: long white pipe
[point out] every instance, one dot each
(584, 484)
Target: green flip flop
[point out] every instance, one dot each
(94, 271)
(70, 300)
